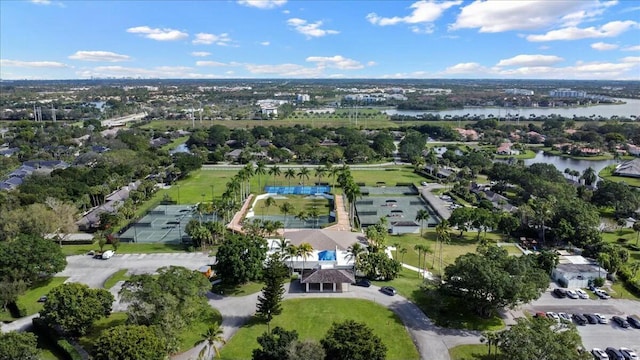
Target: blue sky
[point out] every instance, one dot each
(548, 39)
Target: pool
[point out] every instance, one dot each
(297, 190)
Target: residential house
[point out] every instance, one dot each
(629, 168)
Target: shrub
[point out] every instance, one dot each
(598, 282)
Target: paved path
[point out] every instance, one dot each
(342, 216)
(235, 224)
(432, 342)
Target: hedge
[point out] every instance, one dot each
(63, 346)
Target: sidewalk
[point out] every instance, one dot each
(342, 216)
(235, 225)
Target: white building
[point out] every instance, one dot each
(567, 93)
(575, 271)
(303, 98)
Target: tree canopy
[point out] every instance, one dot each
(29, 258)
(491, 279)
(18, 346)
(351, 340)
(275, 345)
(275, 273)
(240, 259)
(75, 307)
(129, 342)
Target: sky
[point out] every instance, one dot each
(502, 39)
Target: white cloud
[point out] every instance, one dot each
(610, 29)
(410, 75)
(530, 60)
(285, 70)
(165, 72)
(372, 63)
(200, 53)
(208, 39)
(337, 61)
(32, 64)
(308, 29)
(106, 56)
(210, 63)
(158, 34)
(41, 2)
(465, 68)
(265, 43)
(424, 12)
(631, 59)
(602, 46)
(262, 4)
(631, 48)
(497, 16)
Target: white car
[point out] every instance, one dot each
(564, 317)
(581, 294)
(628, 353)
(554, 316)
(601, 318)
(572, 294)
(107, 254)
(599, 354)
(602, 294)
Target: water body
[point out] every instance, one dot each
(562, 163)
(182, 148)
(631, 108)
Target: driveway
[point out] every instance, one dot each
(432, 342)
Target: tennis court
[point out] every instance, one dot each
(164, 223)
(398, 204)
(297, 190)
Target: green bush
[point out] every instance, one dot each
(17, 310)
(598, 282)
(68, 349)
(62, 345)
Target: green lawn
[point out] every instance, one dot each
(391, 176)
(311, 318)
(470, 352)
(238, 290)
(443, 310)
(526, 154)
(607, 174)
(621, 292)
(29, 300)
(115, 319)
(174, 143)
(125, 248)
(512, 249)
(299, 202)
(119, 275)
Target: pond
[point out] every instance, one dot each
(561, 163)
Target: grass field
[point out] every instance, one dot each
(470, 352)
(119, 275)
(29, 300)
(526, 154)
(299, 203)
(607, 174)
(238, 290)
(311, 318)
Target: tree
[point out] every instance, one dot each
(240, 259)
(547, 260)
(268, 202)
(19, 346)
(403, 251)
(543, 339)
(275, 345)
(418, 248)
(30, 258)
(492, 338)
(589, 176)
(303, 174)
(274, 171)
(636, 228)
(274, 276)
(353, 253)
(261, 169)
(10, 290)
(491, 279)
(442, 236)
(422, 216)
(129, 342)
(286, 208)
(306, 350)
(379, 266)
(289, 174)
(351, 340)
(75, 307)
(304, 250)
(319, 173)
(211, 338)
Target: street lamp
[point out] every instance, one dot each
(269, 321)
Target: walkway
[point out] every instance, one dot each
(342, 216)
(235, 224)
(432, 342)
(440, 207)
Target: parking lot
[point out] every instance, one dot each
(597, 335)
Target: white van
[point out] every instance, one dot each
(107, 254)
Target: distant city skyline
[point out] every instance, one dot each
(546, 39)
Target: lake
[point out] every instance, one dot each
(562, 163)
(631, 108)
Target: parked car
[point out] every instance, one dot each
(602, 294)
(614, 354)
(389, 290)
(629, 354)
(591, 318)
(572, 294)
(601, 318)
(620, 321)
(42, 298)
(564, 317)
(561, 293)
(579, 319)
(107, 254)
(552, 315)
(634, 321)
(581, 294)
(363, 283)
(540, 314)
(424, 183)
(599, 354)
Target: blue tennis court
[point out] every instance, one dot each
(297, 190)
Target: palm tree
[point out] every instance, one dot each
(290, 174)
(403, 251)
(442, 235)
(304, 250)
(422, 216)
(333, 171)
(261, 169)
(303, 174)
(589, 176)
(418, 248)
(313, 213)
(320, 171)
(425, 250)
(543, 211)
(274, 171)
(211, 338)
(286, 208)
(303, 216)
(353, 252)
(282, 245)
(268, 202)
(352, 192)
(291, 251)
